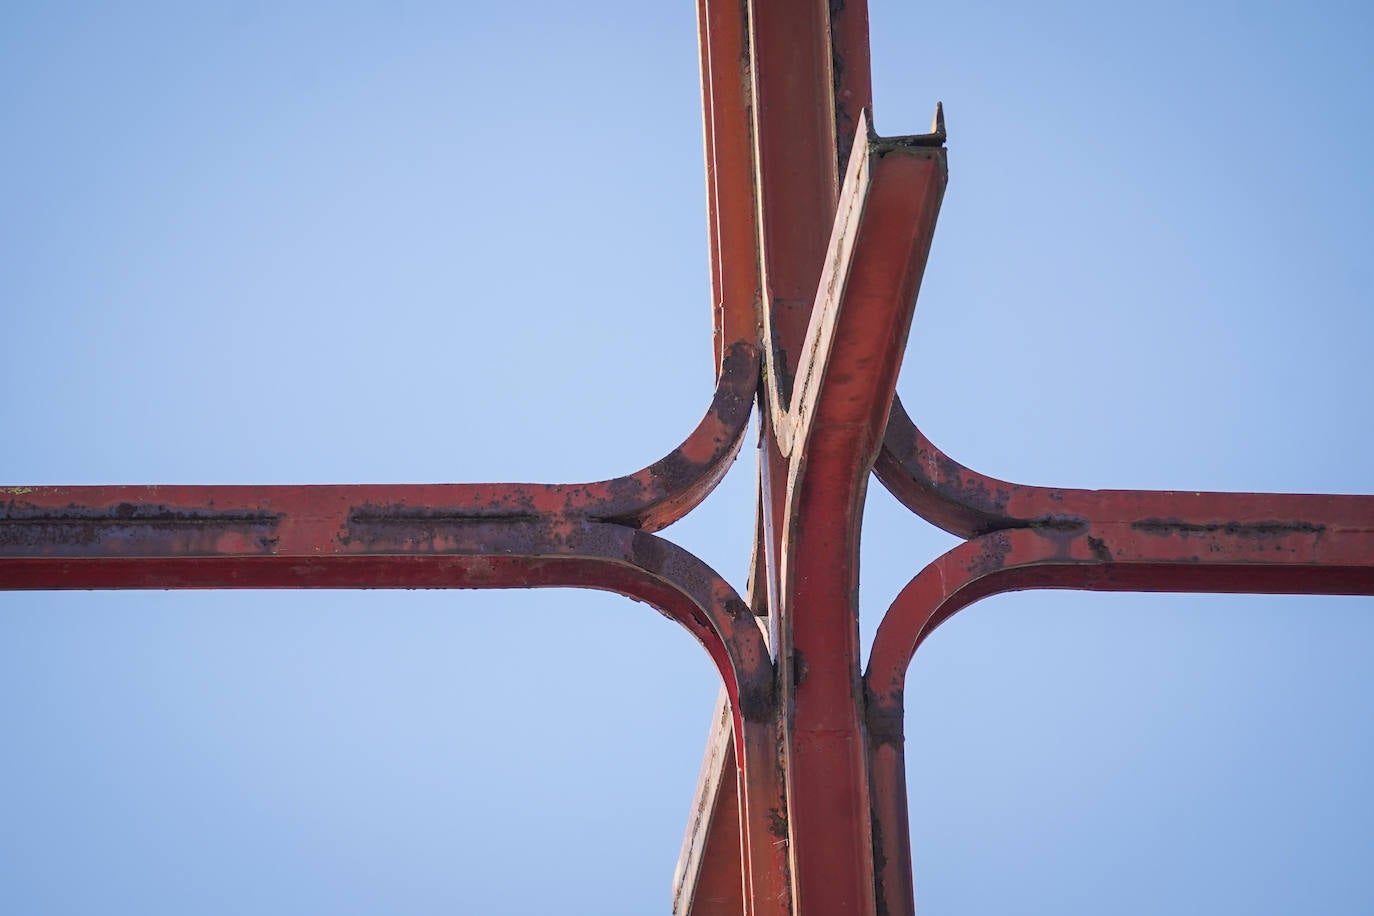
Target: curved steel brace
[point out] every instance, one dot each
(968, 504)
(934, 486)
(39, 518)
(1335, 557)
(654, 498)
(418, 551)
(424, 550)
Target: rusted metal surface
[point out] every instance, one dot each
(709, 876)
(796, 180)
(851, 73)
(801, 806)
(315, 539)
(730, 206)
(440, 536)
(1024, 537)
(877, 253)
(966, 503)
(169, 521)
(796, 187)
(734, 210)
(1328, 548)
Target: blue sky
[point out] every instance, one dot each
(364, 242)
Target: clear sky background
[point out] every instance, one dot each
(291, 243)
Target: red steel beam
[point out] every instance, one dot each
(319, 537)
(829, 435)
(1234, 543)
(405, 537)
(1025, 537)
(796, 181)
(851, 73)
(171, 521)
(732, 231)
(809, 77)
(709, 879)
(795, 185)
(808, 81)
(438, 536)
(967, 503)
(867, 293)
(754, 846)
(770, 142)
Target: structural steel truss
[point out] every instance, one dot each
(819, 231)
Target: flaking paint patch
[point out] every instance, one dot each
(993, 556)
(1100, 550)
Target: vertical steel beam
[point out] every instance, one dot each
(757, 843)
(851, 72)
(796, 180)
(826, 386)
(732, 234)
(795, 187)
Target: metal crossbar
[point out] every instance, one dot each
(819, 234)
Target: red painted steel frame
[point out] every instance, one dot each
(1239, 543)
(802, 802)
(830, 435)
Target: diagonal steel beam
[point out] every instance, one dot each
(853, 349)
(709, 878)
(860, 315)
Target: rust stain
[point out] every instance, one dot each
(1099, 548)
(1167, 527)
(993, 555)
(60, 530)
